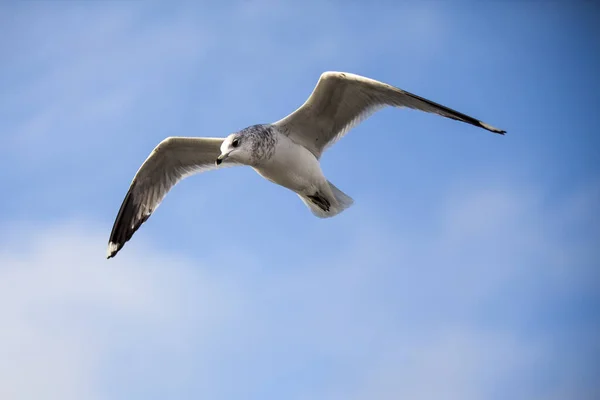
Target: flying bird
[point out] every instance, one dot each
(286, 152)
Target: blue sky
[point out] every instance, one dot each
(468, 267)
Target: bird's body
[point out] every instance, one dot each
(286, 152)
(290, 165)
(294, 167)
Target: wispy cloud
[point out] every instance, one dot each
(68, 315)
(383, 315)
(426, 288)
(90, 75)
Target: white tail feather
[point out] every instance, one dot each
(338, 204)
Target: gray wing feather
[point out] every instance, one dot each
(172, 160)
(342, 100)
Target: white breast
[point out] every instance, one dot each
(292, 166)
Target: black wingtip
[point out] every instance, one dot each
(491, 128)
(125, 224)
(113, 249)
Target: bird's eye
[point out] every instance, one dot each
(235, 143)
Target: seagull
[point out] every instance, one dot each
(286, 152)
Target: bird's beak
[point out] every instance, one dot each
(221, 158)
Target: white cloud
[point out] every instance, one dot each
(384, 316)
(462, 364)
(395, 312)
(67, 311)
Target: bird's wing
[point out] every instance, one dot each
(171, 161)
(342, 100)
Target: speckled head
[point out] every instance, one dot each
(248, 146)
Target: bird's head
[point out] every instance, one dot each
(236, 147)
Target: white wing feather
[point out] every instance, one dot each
(342, 100)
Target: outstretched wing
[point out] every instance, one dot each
(171, 161)
(341, 100)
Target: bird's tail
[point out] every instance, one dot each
(323, 207)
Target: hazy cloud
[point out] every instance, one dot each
(385, 316)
